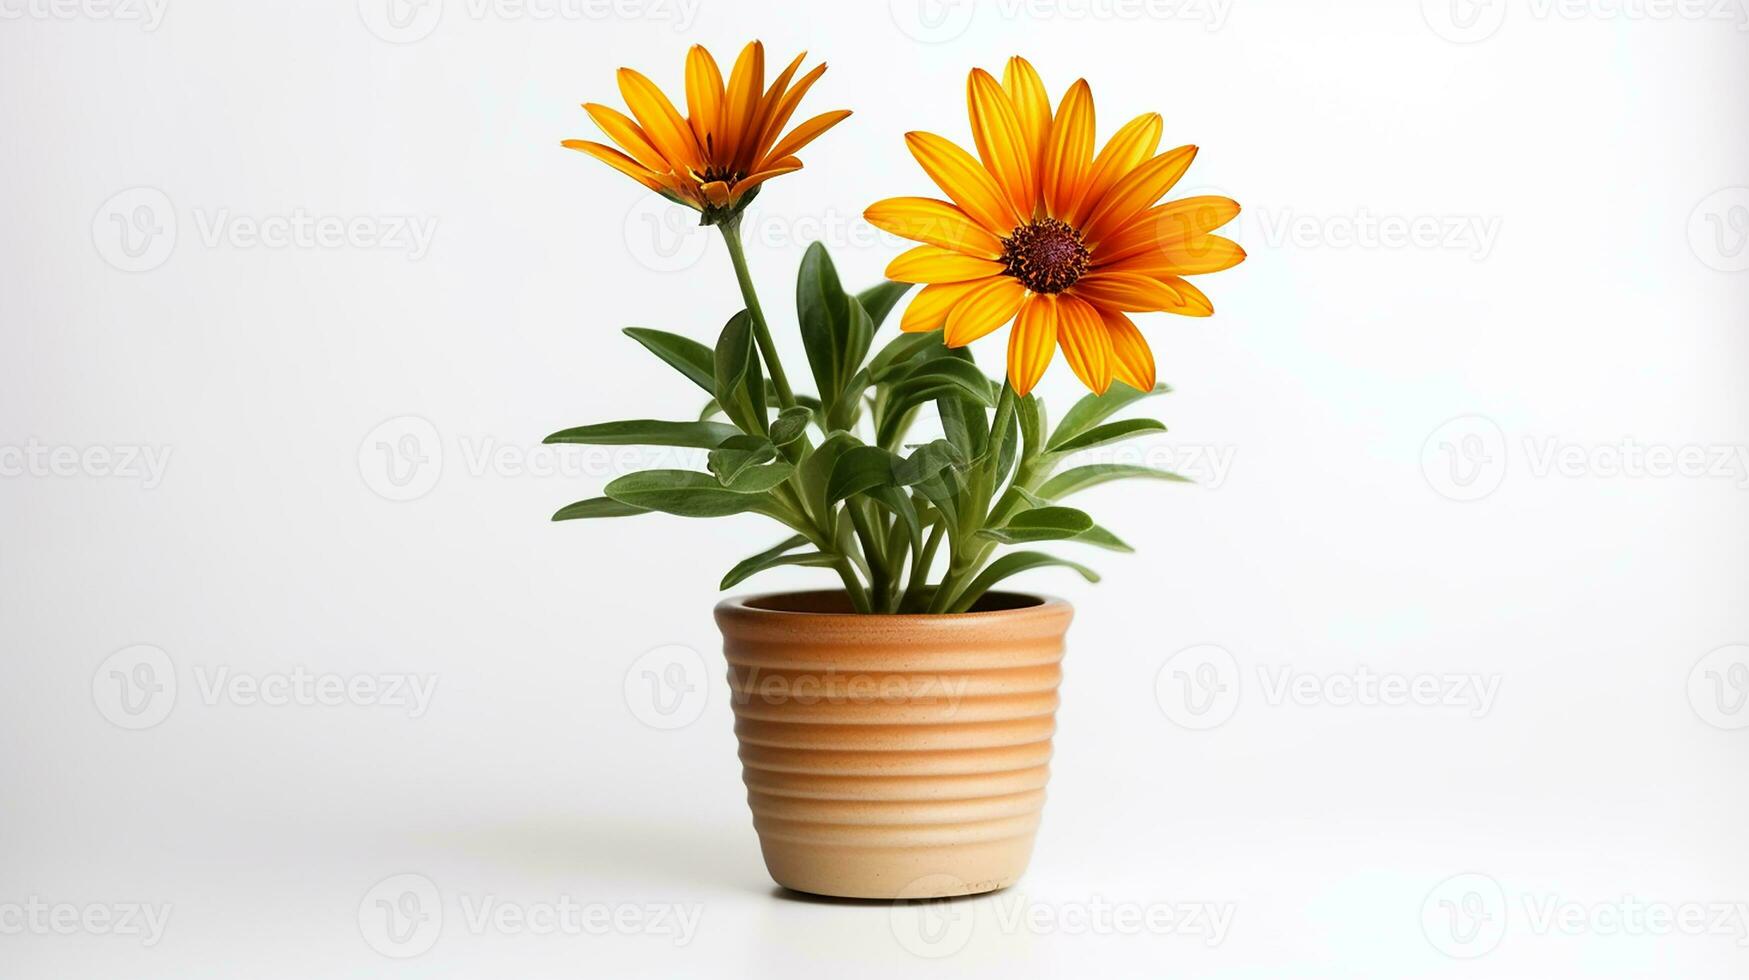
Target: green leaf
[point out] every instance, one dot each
(711, 408)
(896, 355)
(758, 479)
(684, 493)
(816, 470)
(597, 507)
(648, 432)
(943, 492)
(1029, 412)
(1013, 564)
(684, 354)
(1110, 432)
(965, 423)
(739, 384)
(1094, 409)
(791, 424)
(737, 453)
(934, 373)
(880, 300)
(926, 461)
(772, 558)
(732, 357)
(1099, 537)
(859, 468)
(1041, 524)
(899, 503)
(1082, 477)
(836, 330)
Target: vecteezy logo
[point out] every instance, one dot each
(401, 21)
(1718, 688)
(135, 687)
(1464, 21)
(665, 687)
(1198, 687)
(135, 231)
(1465, 459)
(401, 459)
(1718, 230)
(1464, 916)
(664, 236)
(401, 916)
(928, 926)
(932, 21)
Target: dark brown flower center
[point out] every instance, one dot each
(723, 174)
(1046, 255)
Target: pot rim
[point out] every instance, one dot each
(741, 607)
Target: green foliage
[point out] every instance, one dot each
(907, 527)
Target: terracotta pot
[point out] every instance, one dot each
(894, 756)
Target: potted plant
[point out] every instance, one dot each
(895, 731)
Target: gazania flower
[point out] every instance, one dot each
(1040, 231)
(726, 145)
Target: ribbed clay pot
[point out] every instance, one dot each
(894, 756)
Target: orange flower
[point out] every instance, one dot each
(1043, 232)
(715, 157)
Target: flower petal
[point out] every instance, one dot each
(667, 131)
(1126, 149)
(1127, 291)
(617, 160)
(1086, 344)
(1132, 362)
(964, 181)
(786, 105)
(762, 130)
(741, 105)
(1001, 142)
(704, 97)
(923, 219)
(1031, 104)
(773, 168)
(1069, 153)
(1032, 342)
(805, 133)
(1192, 301)
(992, 304)
(1195, 257)
(626, 133)
(1136, 192)
(1174, 221)
(931, 264)
(929, 309)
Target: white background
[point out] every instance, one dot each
(1584, 295)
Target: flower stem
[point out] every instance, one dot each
(731, 230)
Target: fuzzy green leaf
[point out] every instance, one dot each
(836, 330)
(1041, 524)
(1013, 564)
(790, 425)
(684, 493)
(896, 356)
(1094, 409)
(772, 558)
(1110, 432)
(860, 468)
(648, 432)
(1082, 477)
(738, 453)
(879, 300)
(1099, 537)
(597, 507)
(684, 354)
